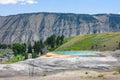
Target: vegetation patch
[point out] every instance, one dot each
(15, 59)
(118, 70)
(86, 72)
(102, 42)
(22, 51)
(4, 52)
(101, 76)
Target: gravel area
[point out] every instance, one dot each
(71, 75)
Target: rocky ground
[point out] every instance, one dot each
(72, 75)
(62, 68)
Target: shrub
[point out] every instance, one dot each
(86, 72)
(34, 55)
(115, 73)
(104, 45)
(44, 75)
(101, 75)
(118, 70)
(15, 59)
(26, 55)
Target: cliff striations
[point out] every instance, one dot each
(27, 28)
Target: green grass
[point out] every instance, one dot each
(103, 42)
(15, 59)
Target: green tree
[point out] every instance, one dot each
(19, 49)
(29, 48)
(38, 46)
(51, 41)
(3, 46)
(58, 41)
(26, 55)
(62, 39)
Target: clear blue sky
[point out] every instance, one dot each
(63, 6)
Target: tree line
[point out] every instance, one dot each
(51, 43)
(5, 46)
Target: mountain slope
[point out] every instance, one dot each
(103, 41)
(27, 28)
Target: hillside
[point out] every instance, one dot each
(103, 41)
(31, 27)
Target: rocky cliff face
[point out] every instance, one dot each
(27, 28)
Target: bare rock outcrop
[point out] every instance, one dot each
(27, 28)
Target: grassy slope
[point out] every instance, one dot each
(103, 41)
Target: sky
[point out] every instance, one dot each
(12, 7)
